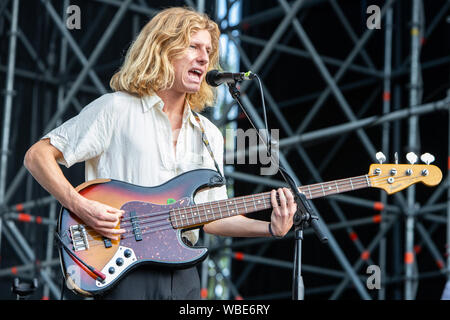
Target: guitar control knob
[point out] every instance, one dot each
(111, 270)
(127, 253)
(119, 261)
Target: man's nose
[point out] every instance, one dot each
(203, 57)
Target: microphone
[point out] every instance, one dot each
(215, 78)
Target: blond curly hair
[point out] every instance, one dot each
(147, 67)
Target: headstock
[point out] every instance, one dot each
(396, 177)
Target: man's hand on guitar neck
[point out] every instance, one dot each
(283, 211)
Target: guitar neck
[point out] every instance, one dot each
(207, 212)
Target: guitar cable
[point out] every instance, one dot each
(100, 276)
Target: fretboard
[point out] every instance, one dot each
(206, 212)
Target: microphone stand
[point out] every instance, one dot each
(304, 217)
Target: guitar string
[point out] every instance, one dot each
(262, 197)
(312, 188)
(156, 216)
(225, 204)
(265, 199)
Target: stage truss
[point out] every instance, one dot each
(47, 76)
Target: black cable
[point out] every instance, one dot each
(62, 288)
(100, 276)
(269, 140)
(305, 214)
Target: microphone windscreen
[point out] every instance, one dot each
(210, 78)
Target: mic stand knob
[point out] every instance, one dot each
(234, 91)
(24, 289)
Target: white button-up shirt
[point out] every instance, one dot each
(127, 138)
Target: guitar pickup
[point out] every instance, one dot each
(135, 226)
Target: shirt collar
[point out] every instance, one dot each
(150, 101)
(188, 114)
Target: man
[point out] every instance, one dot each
(145, 133)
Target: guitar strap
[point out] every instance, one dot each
(206, 143)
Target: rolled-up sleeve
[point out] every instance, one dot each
(86, 135)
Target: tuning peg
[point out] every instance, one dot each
(411, 157)
(380, 157)
(427, 158)
(396, 157)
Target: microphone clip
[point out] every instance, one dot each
(234, 91)
(306, 215)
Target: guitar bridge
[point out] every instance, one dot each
(79, 237)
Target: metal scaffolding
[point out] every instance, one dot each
(68, 71)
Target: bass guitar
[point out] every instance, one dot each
(155, 216)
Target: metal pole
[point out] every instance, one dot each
(338, 145)
(48, 79)
(350, 32)
(201, 6)
(385, 137)
(305, 54)
(447, 249)
(7, 272)
(360, 261)
(404, 67)
(205, 266)
(76, 49)
(260, 60)
(362, 41)
(332, 85)
(8, 105)
(30, 257)
(330, 132)
(413, 145)
(333, 243)
(396, 242)
(76, 86)
(26, 43)
(49, 249)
